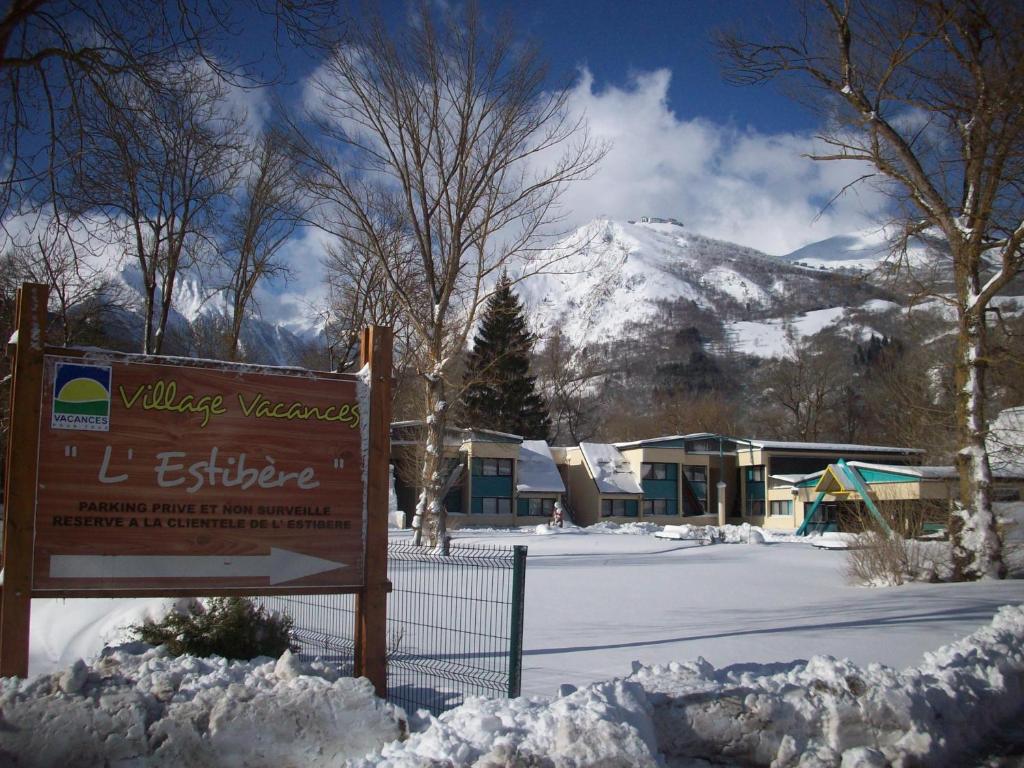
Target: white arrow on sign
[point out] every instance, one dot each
(280, 566)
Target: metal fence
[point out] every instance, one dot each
(455, 624)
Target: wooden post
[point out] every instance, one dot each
(371, 602)
(20, 484)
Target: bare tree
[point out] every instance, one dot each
(81, 296)
(360, 294)
(267, 215)
(449, 134)
(55, 55)
(925, 96)
(569, 376)
(803, 388)
(159, 166)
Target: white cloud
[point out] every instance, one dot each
(722, 181)
(303, 299)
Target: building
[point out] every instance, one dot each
(701, 478)
(494, 478)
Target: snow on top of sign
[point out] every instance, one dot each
(611, 472)
(537, 472)
(94, 353)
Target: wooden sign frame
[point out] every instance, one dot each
(31, 459)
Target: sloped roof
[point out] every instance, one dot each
(911, 473)
(537, 472)
(611, 472)
(785, 445)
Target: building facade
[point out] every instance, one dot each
(701, 478)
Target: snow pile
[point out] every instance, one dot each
(829, 712)
(624, 529)
(824, 712)
(607, 724)
(135, 703)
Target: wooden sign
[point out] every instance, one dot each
(185, 478)
(131, 475)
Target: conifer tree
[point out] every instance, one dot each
(499, 391)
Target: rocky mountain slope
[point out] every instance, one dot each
(609, 275)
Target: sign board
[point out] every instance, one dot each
(165, 478)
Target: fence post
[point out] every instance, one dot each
(20, 488)
(371, 601)
(515, 650)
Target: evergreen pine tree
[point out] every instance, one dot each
(499, 392)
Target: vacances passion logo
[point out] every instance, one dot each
(81, 397)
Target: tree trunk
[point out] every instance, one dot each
(976, 547)
(147, 339)
(433, 513)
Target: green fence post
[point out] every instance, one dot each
(515, 650)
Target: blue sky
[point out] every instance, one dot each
(725, 160)
(613, 38)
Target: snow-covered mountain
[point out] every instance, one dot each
(609, 273)
(198, 314)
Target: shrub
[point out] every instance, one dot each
(231, 627)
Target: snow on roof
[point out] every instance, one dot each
(1005, 442)
(463, 434)
(664, 439)
(537, 472)
(794, 479)
(611, 472)
(925, 473)
(830, 447)
(475, 433)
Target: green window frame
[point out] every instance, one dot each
(658, 507)
(755, 491)
(536, 507)
(495, 505)
(619, 508)
(657, 470)
(492, 467)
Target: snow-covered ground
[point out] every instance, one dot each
(702, 648)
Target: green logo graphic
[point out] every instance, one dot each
(81, 397)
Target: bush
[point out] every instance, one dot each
(231, 627)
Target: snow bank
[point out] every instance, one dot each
(135, 703)
(824, 712)
(829, 712)
(606, 724)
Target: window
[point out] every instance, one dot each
(618, 508)
(696, 474)
(495, 506)
(537, 507)
(695, 490)
(657, 471)
(492, 467)
(657, 507)
(755, 490)
(780, 508)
